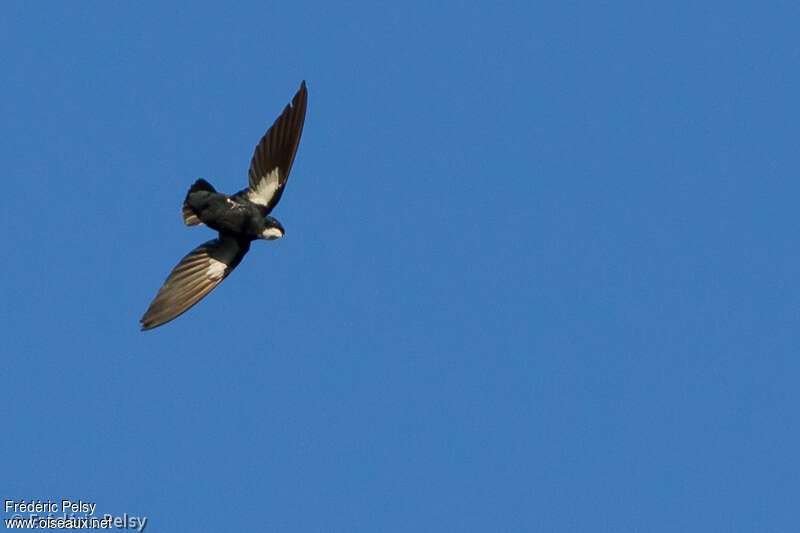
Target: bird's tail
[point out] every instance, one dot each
(189, 218)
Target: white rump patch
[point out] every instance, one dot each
(265, 189)
(216, 269)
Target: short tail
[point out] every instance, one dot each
(189, 218)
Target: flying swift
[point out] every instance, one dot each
(240, 218)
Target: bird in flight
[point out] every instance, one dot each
(239, 219)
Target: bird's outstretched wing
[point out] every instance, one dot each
(274, 155)
(194, 277)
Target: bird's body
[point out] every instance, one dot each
(235, 215)
(239, 219)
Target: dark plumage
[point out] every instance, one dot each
(239, 219)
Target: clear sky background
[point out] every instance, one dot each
(539, 273)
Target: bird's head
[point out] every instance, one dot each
(272, 229)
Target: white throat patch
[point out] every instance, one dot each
(271, 234)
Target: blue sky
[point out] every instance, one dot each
(539, 270)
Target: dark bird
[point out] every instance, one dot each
(239, 219)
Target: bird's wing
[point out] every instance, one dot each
(274, 154)
(194, 277)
